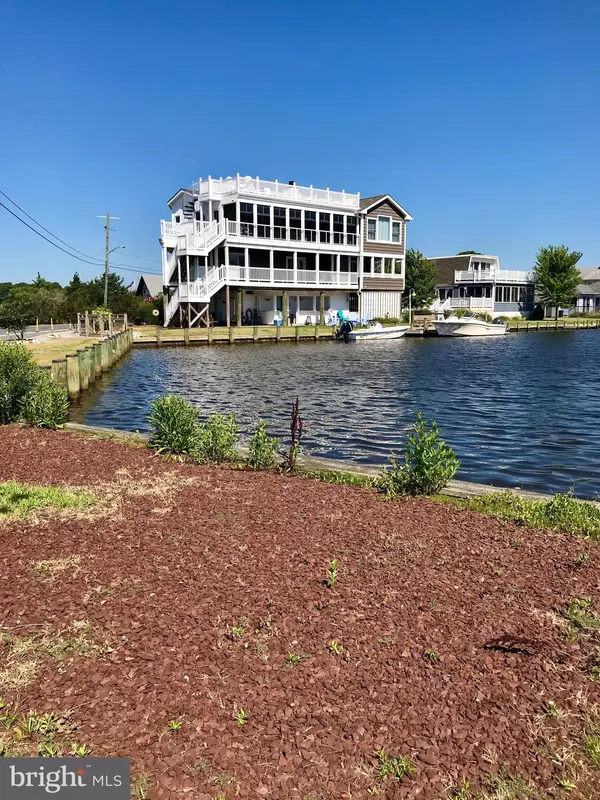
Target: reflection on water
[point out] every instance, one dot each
(520, 410)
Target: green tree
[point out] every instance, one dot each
(420, 277)
(16, 314)
(469, 253)
(556, 275)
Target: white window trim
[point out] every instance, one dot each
(395, 257)
(392, 221)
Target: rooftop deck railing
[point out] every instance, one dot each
(495, 275)
(247, 185)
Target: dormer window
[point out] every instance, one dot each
(177, 219)
(384, 229)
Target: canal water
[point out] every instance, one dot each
(520, 410)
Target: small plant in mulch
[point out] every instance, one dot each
(386, 640)
(49, 750)
(593, 665)
(582, 561)
(552, 710)
(293, 659)
(566, 784)
(175, 725)
(80, 750)
(217, 438)
(332, 573)
(395, 767)
(336, 648)
(579, 613)
(429, 463)
(431, 656)
(262, 448)
(235, 632)
(462, 791)
(241, 717)
(591, 747)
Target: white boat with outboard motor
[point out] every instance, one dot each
(374, 331)
(469, 325)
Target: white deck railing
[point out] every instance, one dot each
(495, 275)
(471, 302)
(247, 185)
(276, 233)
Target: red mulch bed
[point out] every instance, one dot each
(243, 547)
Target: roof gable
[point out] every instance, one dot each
(370, 204)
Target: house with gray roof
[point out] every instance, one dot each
(149, 286)
(588, 291)
(475, 282)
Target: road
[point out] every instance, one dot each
(31, 332)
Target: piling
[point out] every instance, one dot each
(297, 333)
(84, 380)
(113, 351)
(72, 374)
(91, 363)
(104, 355)
(98, 358)
(277, 333)
(59, 372)
(186, 337)
(87, 323)
(255, 333)
(231, 335)
(210, 335)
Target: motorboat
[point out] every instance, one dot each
(377, 331)
(469, 325)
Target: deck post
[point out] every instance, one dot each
(101, 324)
(284, 308)
(321, 308)
(210, 335)
(110, 324)
(316, 333)
(186, 336)
(277, 333)
(255, 333)
(297, 333)
(227, 306)
(87, 323)
(238, 308)
(72, 374)
(84, 379)
(231, 339)
(78, 324)
(59, 372)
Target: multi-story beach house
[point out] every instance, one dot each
(244, 250)
(477, 283)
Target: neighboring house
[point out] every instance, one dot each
(476, 282)
(250, 250)
(588, 291)
(149, 286)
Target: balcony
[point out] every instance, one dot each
(273, 190)
(493, 275)
(276, 236)
(264, 276)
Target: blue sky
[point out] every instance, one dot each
(481, 118)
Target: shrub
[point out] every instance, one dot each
(217, 439)
(387, 320)
(26, 392)
(429, 463)
(173, 425)
(17, 377)
(45, 404)
(262, 448)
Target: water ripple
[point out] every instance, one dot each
(519, 410)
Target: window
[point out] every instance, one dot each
(310, 226)
(307, 303)
(246, 219)
(280, 223)
(383, 229)
(388, 265)
(353, 302)
(397, 266)
(338, 228)
(351, 224)
(377, 266)
(236, 257)
(353, 264)
(295, 223)
(396, 232)
(177, 219)
(279, 302)
(371, 229)
(263, 217)
(327, 303)
(324, 226)
(367, 264)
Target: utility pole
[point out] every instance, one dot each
(106, 254)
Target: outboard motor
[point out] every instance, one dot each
(344, 330)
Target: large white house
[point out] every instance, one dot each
(245, 250)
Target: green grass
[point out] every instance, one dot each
(340, 478)
(563, 512)
(17, 500)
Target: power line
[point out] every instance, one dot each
(86, 260)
